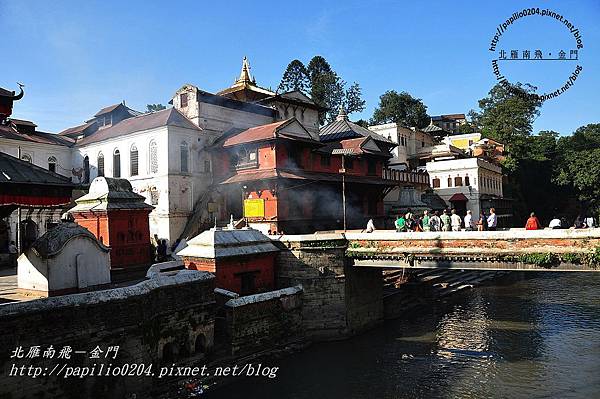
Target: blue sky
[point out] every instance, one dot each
(78, 56)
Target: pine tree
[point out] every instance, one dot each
(295, 77)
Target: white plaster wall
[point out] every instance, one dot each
(475, 168)
(32, 274)
(40, 153)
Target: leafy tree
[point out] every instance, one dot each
(295, 77)
(327, 90)
(578, 165)
(400, 108)
(353, 101)
(507, 115)
(155, 107)
(363, 123)
(466, 128)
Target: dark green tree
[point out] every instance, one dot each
(400, 108)
(507, 115)
(327, 89)
(578, 165)
(155, 107)
(295, 77)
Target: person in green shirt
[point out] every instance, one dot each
(446, 223)
(425, 221)
(400, 224)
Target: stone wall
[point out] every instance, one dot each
(168, 318)
(263, 321)
(339, 301)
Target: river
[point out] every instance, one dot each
(537, 337)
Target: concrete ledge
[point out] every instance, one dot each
(115, 294)
(267, 296)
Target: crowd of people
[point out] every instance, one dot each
(581, 222)
(450, 220)
(447, 220)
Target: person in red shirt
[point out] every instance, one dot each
(532, 223)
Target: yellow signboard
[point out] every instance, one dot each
(254, 208)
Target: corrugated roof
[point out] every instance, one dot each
(344, 129)
(16, 171)
(167, 117)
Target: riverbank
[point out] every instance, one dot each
(534, 337)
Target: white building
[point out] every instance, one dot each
(66, 259)
(467, 184)
(409, 141)
(165, 154)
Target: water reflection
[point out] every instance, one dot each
(536, 338)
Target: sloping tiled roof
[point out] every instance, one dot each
(9, 132)
(167, 117)
(266, 132)
(108, 109)
(357, 146)
(304, 175)
(16, 171)
(76, 129)
(344, 129)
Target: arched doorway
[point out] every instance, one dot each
(29, 231)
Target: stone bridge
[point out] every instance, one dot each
(514, 249)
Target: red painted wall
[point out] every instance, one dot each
(227, 271)
(126, 232)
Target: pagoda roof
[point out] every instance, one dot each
(222, 243)
(16, 171)
(110, 193)
(289, 129)
(342, 128)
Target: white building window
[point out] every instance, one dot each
(116, 163)
(52, 164)
(153, 156)
(100, 164)
(133, 161)
(185, 154)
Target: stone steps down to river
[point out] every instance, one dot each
(405, 291)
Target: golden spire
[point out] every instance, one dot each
(245, 76)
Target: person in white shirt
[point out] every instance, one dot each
(455, 221)
(370, 226)
(492, 220)
(589, 222)
(555, 223)
(468, 221)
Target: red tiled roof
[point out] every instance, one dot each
(266, 132)
(258, 133)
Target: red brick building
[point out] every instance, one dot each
(118, 218)
(280, 177)
(243, 260)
